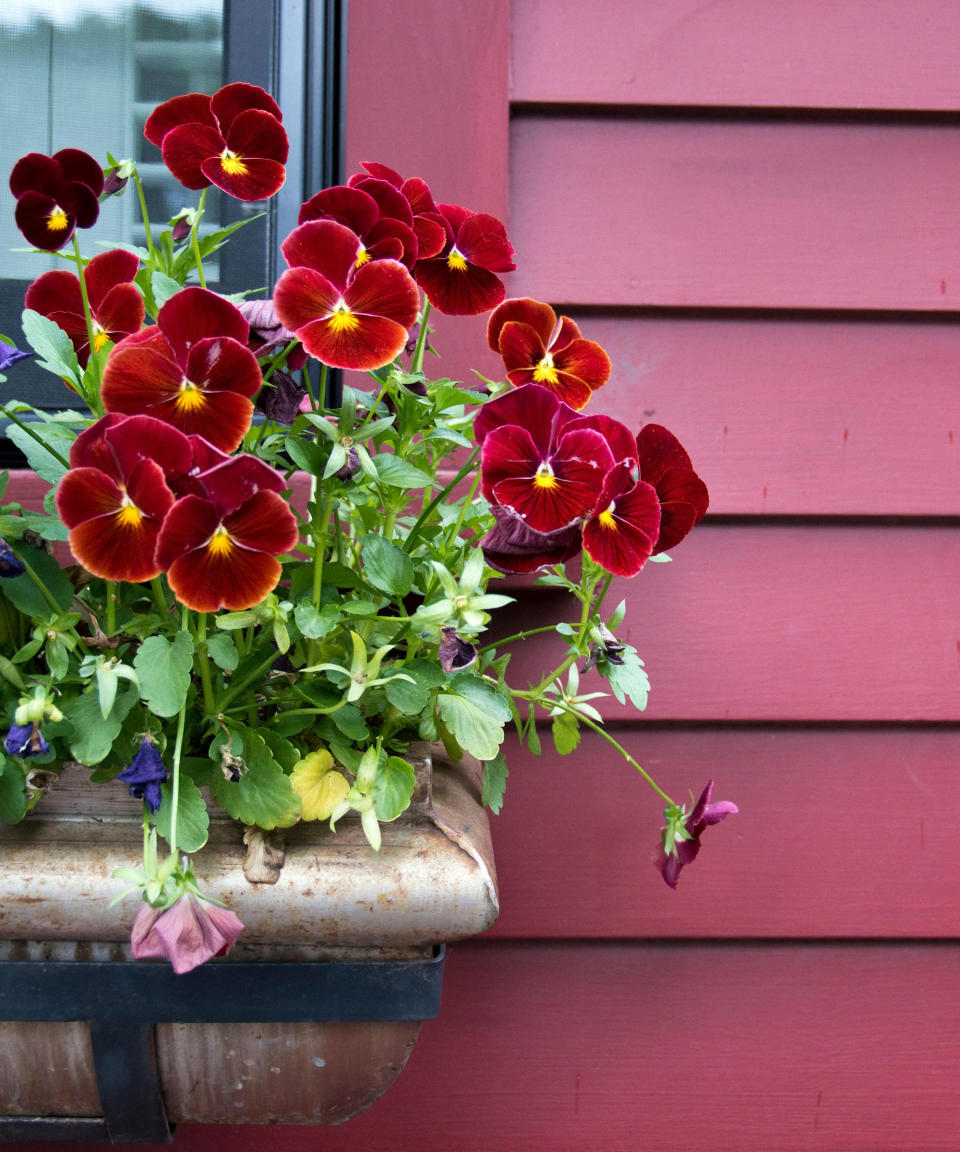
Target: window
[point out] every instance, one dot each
(86, 73)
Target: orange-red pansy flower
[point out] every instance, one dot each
(192, 368)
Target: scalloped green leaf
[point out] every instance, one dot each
(262, 794)
(193, 821)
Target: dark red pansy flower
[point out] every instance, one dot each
(621, 533)
(116, 305)
(382, 236)
(346, 316)
(510, 546)
(538, 349)
(115, 496)
(539, 461)
(233, 139)
(462, 279)
(192, 368)
(56, 195)
(428, 225)
(221, 551)
(683, 496)
(680, 839)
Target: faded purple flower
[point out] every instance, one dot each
(24, 740)
(280, 397)
(606, 647)
(680, 839)
(145, 775)
(455, 653)
(188, 933)
(10, 564)
(10, 355)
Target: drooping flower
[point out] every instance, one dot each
(56, 195)
(115, 496)
(680, 838)
(455, 653)
(10, 354)
(385, 231)
(192, 369)
(511, 547)
(346, 316)
(623, 529)
(188, 933)
(462, 279)
(24, 741)
(543, 463)
(233, 139)
(537, 348)
(682, 494)
(145, 775)
(115, 304)
(219, 543)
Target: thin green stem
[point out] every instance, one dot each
(416, 364)
(159, 596)
(237, 689)
(202, 662)
(93, 401)
(517, 636)
(33, 436)
(146, 219)
(195, 240)
(177, 750)
(417, 528)
(41, 587)
(111, 598)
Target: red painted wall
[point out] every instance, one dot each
(753, 206)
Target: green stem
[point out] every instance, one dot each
(146, 219)
(515, 636)
(111, 607)
(236, 689)
(202, 662)
(41, 587)
(416, 364)
(33, 436)
(195, 241)
(93, 401)
(159, 596)
(415, 531)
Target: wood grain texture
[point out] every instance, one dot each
(789, 416)
(798, 53)
(699, 1048)
(840, 833)
(731, 213)
(783, 623)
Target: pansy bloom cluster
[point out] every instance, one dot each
(246, 590)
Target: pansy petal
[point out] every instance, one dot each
(390, 200)
(302, 295)
(585, 360)
(207, 581)
(522, 310)
(192, 108)
(247, 179)
(219, 364)
(140, 374)
(458, 291)
(621, 535)
(264, 523)
(483, 240)
(224, 418)
(234, 481)
(618, 437)
(327, 247)
(534, 408)
(524, 354)
(43, 221)
(195, 314)
(431, 234)
(384, 288)
(135, 438)
(511, 546)
(36, 172)
(77, 166)
(120, 312)
(105, 271)
(56, 291)
(232, 100)
(186, 148)
(352, 207)
(367, 343)
(187, 526)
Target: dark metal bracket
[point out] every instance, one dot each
(122, 1001)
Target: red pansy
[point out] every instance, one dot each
(233, 139)
(683, 496)
(383, 233)
(462, 279)
(56, 195)
(346, 316)
(116, 306)
(428, 225)
(621, 533)
(538, 349)
(192, 368)
(115, 496)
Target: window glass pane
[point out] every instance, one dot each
(85, 74)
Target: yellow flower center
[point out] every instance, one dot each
(99, 338)
(342, 319)
(191, 398)
(456, 261)
(57, 220)
(129, 515)
(362, 257)
(545, 477)
(545, 373)
(606, 518)
(220, 543)
(232, 164)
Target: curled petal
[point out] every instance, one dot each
(511, 546)
(193, 108)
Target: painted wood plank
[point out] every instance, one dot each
(808, 417)
(783, 623)
(845, 832)
(734, 213)
(799, 53)
(746, 1048)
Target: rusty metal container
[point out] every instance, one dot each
(333, 901)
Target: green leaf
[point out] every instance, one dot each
(93, 736)
(13, 792)
(52, 346)
(193, 821)
(495, 775)
(566, 733)
(163, 288)
(475, 713)
(263, 794)
(164, 671)
(308, 455)
(399, 473)
(24, 594)
(385, 566)
(349, 720)
(392, 788)
(411, 699)
(40, 458)
(223, 651)
(628, 678)
(314, 624)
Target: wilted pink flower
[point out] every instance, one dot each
(188, 933)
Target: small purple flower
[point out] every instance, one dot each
(10, 564)
(10, 355)
(145, 775)
(24, 740)
(680, 839)
(113, 182)
(455, 653)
